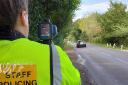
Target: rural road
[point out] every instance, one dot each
(105, 66)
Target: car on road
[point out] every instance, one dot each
(80, 44)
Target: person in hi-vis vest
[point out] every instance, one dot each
(25, 62)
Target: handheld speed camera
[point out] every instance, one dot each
(47, 31)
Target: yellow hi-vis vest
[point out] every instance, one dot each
(35, 61)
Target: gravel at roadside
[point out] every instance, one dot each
(83, 71)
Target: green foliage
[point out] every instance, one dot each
(89, 26)
(60, 12)
(114, 24)
(115, 15)
(110, 27)
(77, 34)
(84, 36)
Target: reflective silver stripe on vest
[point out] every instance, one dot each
(57, 76)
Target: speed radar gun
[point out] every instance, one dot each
(47, 32)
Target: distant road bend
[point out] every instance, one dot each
(105, 66)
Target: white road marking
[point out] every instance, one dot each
(122, 61)
(81, 60)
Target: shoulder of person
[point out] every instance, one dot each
(61, 51)
(26, 43)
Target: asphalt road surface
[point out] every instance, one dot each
(105, 66)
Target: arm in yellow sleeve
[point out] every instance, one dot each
(70, 75)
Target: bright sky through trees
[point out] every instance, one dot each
(89, 6)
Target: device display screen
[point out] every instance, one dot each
(45, 30)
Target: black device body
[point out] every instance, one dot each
(46, 33)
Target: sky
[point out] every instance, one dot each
(90, 6)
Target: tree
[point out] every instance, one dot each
(60, 12)
(115, 15)
(89, 26)
(114, 22)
